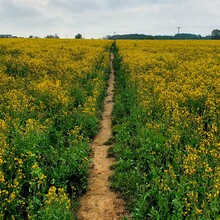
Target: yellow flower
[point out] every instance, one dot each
(2, 178)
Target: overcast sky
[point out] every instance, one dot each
(98, 18)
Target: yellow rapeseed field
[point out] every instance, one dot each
(166, 129)
(172, 128)
(51, 94)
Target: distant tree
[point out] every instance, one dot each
(186, 36)
(216, 34)
(208, 37)
(52, 36)
(78, 36)
(107, 37)
(163, 37)
(32, 36)
(182, 36)
(130, 37)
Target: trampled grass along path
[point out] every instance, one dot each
(100, 202)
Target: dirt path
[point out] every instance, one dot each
(100, 203)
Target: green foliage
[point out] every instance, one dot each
(182, 36)
(186, 36)
(149, 171)
(46, 124)
(131, 37)
(78, 36)
(215, 34)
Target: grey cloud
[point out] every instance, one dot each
(97, 17)
(25, 19)
(11, 9)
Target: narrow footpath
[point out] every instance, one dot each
(100, 203)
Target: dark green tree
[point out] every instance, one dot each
(216, 34)
(78, 36)
(52, 36)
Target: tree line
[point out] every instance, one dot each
(182, 36)
(78, 36)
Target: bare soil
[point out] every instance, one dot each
(99, 202)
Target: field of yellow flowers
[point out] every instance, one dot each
(167, 128)
(51, 94)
